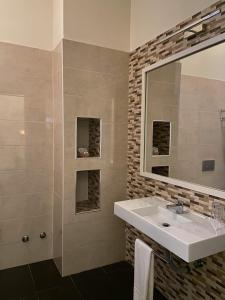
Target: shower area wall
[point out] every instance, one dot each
(26, 148)
(44, 185)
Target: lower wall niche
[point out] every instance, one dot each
(161, 170)
(87, 191)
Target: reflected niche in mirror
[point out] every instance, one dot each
(161, 170)
(161, 138)
(184, 122)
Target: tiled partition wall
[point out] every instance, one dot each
(95, 86)
(202, 283)
(25, 154)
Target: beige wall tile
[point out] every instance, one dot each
(91, 231)
(26, 153)
(87, 83)
(93, 255)
(92, 58)
(76, 106)
(96, 85)
(25, 205)
(22, 157)
(20, 108)
(16, 254)
(25, 182)
(25, 71)
(12, 230)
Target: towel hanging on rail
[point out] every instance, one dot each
(143, 271)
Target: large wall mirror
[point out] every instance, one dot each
(183, 119)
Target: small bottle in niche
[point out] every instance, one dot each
(82, 152)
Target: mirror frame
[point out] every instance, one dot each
(182, 54)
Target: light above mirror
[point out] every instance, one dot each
(183, 119)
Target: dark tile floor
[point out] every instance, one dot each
(42, 281)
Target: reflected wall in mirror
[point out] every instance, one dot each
(184, 119)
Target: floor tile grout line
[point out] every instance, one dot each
(104, 270)
(74, 286)
(32, 277)
(77, 288)
(46, 289)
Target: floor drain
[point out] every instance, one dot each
(165, 225)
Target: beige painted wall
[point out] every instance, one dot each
(39, 23)
(57, 22)
(150, 18)
(103, 23)
(206, 64)
(26, 22)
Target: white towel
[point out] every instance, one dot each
(143, 271)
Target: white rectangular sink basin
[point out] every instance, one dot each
(160, 215)
(190, 236)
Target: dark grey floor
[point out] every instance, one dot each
(42, 281)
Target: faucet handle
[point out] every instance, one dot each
(180, 207)
(180, 202)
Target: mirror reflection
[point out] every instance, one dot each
(185, 119)
(161, 138)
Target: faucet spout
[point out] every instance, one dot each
(178, 206)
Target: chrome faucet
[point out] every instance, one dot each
(178, 206)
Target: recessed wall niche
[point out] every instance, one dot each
(161, 138)
(87, 190)
(88, 137)
(161, 170)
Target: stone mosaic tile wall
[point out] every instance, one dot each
(206, 282)
(94, 137)
(209, 281)
(94, 187)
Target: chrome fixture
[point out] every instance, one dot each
(168, 258)
(189, 28)
(43, 235)
(25, 238)
(222, 115)
(179, 207)
(183, 268)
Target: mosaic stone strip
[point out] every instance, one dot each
(94, 137)
(94, 187)
(208, 282)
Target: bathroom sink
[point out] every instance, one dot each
(190, 235)
(160, 215)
